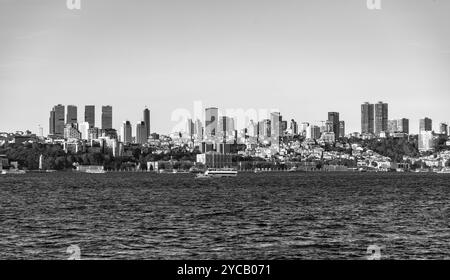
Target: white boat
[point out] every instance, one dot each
(218, 173)
(444, 171)
(93, 171)
(13, 171)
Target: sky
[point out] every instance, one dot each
(302, 57)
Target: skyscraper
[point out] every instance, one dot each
(367, 117)
(106, 117)
(294, 127)
(89, 115)
(72, 114)
(313, 132)
(57, 120)
(147, 121)
(341, 129)
(443, 127)
(426, 124)
(141, 133)
(198, 129)
(264, 129)
(51, 126)
(381, 117)
(403, 125)
(211, 121)
(126, 133)
(333, 117)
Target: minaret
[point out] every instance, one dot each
(40, 162)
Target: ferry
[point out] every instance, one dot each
(218, 173)
(13, 171)
(444, 171)
(93, 169)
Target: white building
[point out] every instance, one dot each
(426, 141)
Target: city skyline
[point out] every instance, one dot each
(374, 120)
(231, 54)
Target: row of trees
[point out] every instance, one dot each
(55, 158)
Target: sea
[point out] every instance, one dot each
(263, 216)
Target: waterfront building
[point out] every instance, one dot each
(89, 115)
(106, 117)
(72, 114)
(426, 124)
(215, 160)
(367, 118)
(381, 117)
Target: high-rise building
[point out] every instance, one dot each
(443, 127)
(426, 124)
(381, 117)
(367, 118)
(147, 121)
(198, 129)
(106, 117)
(264, 129)
(313, 132)
(275, 124)
(72, 114)
(252, 129)
(333, 117)
(284, 127)
(51, 126)
(211, 122)
(141, 133)
(89, 115)
(190, 129)
(403, 125)
(327, 127)
(57, 124)
(398, 126)
(294, 127)
(341, 129)
(126, 132)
